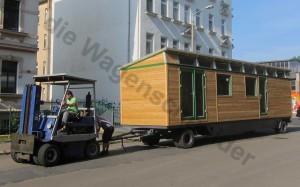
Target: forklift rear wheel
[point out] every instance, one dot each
(150, 140)
(184, 139)
(15, 157)
(92, 149)
(48, 155)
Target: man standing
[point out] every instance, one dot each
(70, 110)
(108, 129)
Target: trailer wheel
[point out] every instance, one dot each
(15, 157)
(48, 155)
(92, 149)
(282, 127)
(185, 139)
(150, 140)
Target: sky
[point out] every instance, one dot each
(265, 30)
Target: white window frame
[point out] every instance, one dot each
(175, 10)
(187, 14)
(164, 8)
(149, 43)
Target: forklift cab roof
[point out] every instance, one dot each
(62, 79)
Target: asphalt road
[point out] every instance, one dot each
(259, 159)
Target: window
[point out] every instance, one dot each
(198, 48)
(293, 85)
(163, 42)
(224, 54)
(250, 86)
(11, 15)
(149, 43)
(224, 85)
(9, 77)
(175, 10)
(149, 6)
(164, 8)
(175, 44)
(211, 51)
(187, 46)
(44, 68)
(211, 23)
(236, 67)
(187, 14)
(186, 60)
(223, 22)
(198, 19)
(45, 41)
(222, 65)
(46, 15)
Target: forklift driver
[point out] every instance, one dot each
(70, 109)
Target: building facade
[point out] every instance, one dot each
(94, 44)
(44, 33)
(294, 66)
(18, 48)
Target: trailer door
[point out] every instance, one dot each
(263, 95)
(192, 94)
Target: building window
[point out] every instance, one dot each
(224, 54)
(44, 68)
(250, 86)
(149, 43)
(198, 48)
(211, 51)
(211, 23)
(175, 10)
(164, 8)
(45, 41)
(175, 44)
(198, 19)
(224, 85)
(11, 15)
(46, 15)
(187, 46)
(187, 14)
(149, 6)
(223, 22)
(163, 42)
(9, 77)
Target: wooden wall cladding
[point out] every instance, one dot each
(238, 106)
(159, 58)
(279, 98)
(172, 58)
(174, 95)
(143, 96)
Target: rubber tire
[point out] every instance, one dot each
(35, 160)
(184, 139)
(151, 140)
(283, 127)
(15, 158)
(48, 155)
(92, 149)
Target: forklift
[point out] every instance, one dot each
(38, 139)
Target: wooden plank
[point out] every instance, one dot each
(143, 95)
(172, 58)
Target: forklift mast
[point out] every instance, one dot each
(31, 101)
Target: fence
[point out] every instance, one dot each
(10, 119)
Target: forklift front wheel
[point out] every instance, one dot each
(15, 157)
(48, 155)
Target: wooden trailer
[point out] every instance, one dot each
(176, 94)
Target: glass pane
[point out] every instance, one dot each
(199, 95)
(250, 86)
(263, 98)
(223, 84)
(187, 94)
